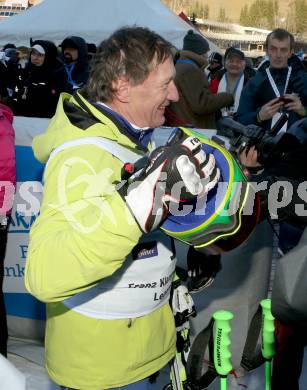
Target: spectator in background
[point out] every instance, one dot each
(8, 46)
(300, 54)
(249, 68)
(197, 106)
(215, 65)
(91, 49)
(278, 88)
(75, 71)
(291, 334)
(23, 55)
(258, 62)
(12, 70)
(282, 76)
(262, 103)
(8, 175)
(232, 78)
(3, 75)
(9, 65)
(11, 54)
(34, 92)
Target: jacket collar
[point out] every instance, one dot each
(279, 72)
(189, 55)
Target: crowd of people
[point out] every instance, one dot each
(257, 97)
(32, 78)
(102, 331)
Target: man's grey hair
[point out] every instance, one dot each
(130, 52)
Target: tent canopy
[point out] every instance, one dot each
(93, 20)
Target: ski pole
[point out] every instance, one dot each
(267, 340)
(222, 343)
(178, 374)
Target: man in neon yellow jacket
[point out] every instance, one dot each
(107, 284)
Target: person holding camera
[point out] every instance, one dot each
(279, 86)
(278, 92)
(291, 334)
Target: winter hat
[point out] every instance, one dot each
(232, 51)
(195, 42)
(9, 46)
(216, 58)
(48, 48)
(69, 42)
(10, 52)
(39, 49)
(78, 43)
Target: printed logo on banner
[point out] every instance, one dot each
(25, 210)
(14, 268)
(145, 250)
(26, 206)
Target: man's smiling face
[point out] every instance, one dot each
(148, 99)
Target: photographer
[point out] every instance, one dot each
(291, 333)
(280, 85)
(288, 169)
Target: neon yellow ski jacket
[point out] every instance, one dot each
(72, 248)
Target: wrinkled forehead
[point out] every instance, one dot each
(157, 61)
(161, 70)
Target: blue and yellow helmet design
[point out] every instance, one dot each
(226, 216)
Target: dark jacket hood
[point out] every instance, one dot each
(79, 44)
(51, 56)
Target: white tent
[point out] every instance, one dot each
(94, 20)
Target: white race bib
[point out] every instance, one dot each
(137, 288)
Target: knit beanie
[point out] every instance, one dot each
(216, 58)
(195, 42)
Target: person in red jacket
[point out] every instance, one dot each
(7, 189)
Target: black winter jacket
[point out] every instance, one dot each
(34, 91)
(258, 91)
(291, 168)
(80, 72)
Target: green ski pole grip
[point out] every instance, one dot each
(268, 328)
(222, 342)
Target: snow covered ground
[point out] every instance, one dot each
(28, 357)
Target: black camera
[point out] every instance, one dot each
(271, 145)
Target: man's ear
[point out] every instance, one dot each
(121, 88)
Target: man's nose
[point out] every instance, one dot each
(173, 94)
